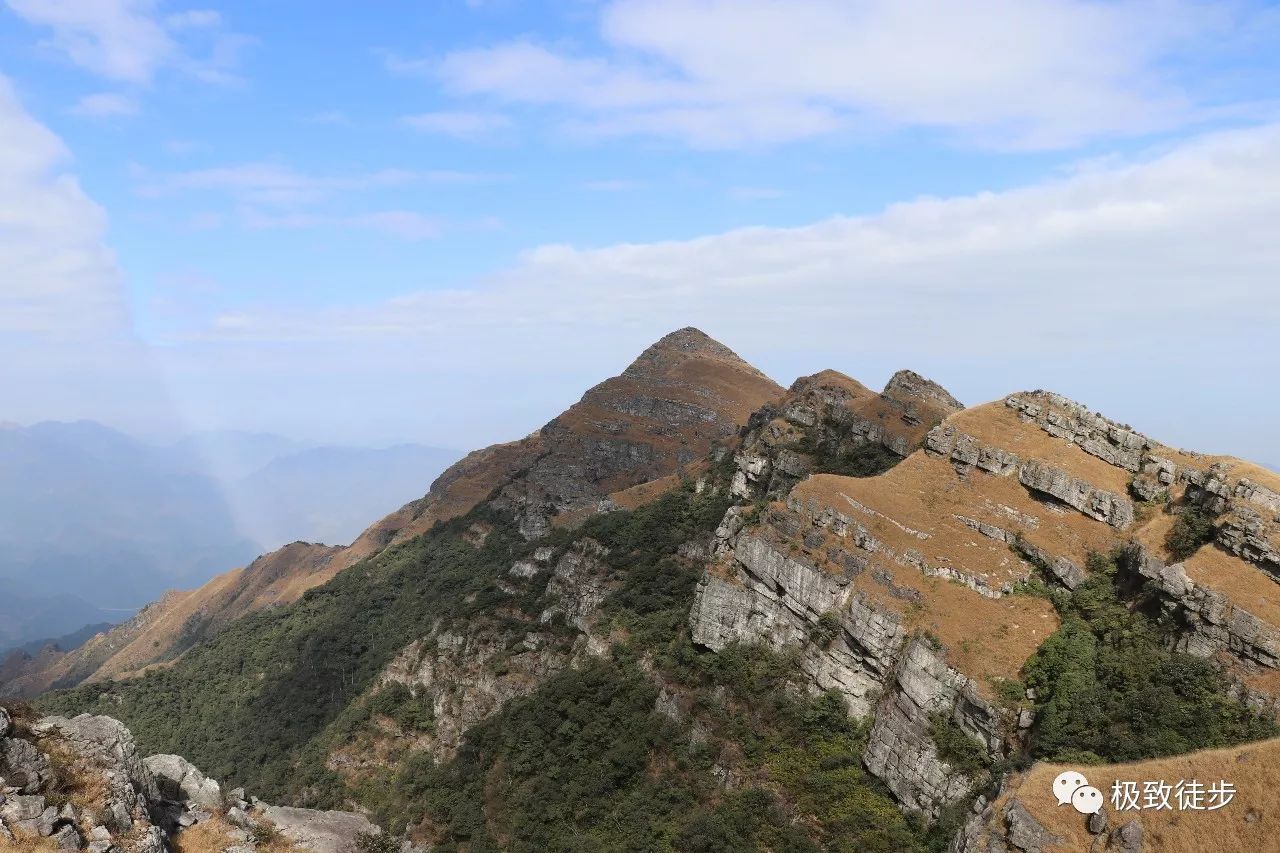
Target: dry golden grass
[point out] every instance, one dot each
(1250, 823)
(163, 627)
(997, 424)
(914, 507)
(643, 493)
(24, 843)
(984, 638)
(1247, 586)
(86, 787)
(213, 835)
(836, 379)
(924, 493)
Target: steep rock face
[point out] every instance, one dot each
(659, 416)
(1076, 493)
(901, 749)
(1210, 622)
(827, 416)
(779, 600)
(816, 580)
(851, 572)
(467, 675)
(1251, 535)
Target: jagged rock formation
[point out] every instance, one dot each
(79, 784)
(879, 633)
(841, 569)
(659, 416)
(827, 416)
(466, 677)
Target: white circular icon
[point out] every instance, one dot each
(1065, 785)
(1087, 799)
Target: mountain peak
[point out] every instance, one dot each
(689, 338)
(677, 347)
(909, 385)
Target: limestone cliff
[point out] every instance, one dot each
(897, 589)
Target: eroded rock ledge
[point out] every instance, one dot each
(766, 594)
(79, 784)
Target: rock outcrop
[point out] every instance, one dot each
(819, 582)
(901, 749)
(467, 673)
(319, 831)
(828, 416)
(80, 784)
(1076, 493)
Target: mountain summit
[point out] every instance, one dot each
(684, 392)
(664, 411)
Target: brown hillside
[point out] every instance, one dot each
(956, 521)
(660, 415)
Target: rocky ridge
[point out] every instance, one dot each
(835, 567)
(825, 418)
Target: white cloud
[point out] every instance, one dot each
(67, 344)
(1107, 240)
(194, 19)
(274, 184)
(126, 40)
(60, 279)
(403, 224)
(1136, 285)
(464, 125)
(105, 105)
(728, 73)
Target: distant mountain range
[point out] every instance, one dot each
(328, 494)
(94, 523)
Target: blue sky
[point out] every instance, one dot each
(441, 221)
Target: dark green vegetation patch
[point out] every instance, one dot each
(1108, 687)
